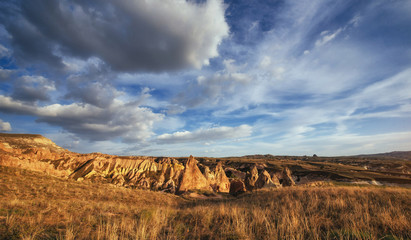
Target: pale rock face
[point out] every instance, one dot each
(251, 178)
(221, 184)
(264, 181)
(193, 178)
(209, 175)
(217, 178)
(275, 180)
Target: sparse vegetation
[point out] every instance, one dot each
(36, 206)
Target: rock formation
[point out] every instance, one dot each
(38, 153)
(275, 180)
(250, 178)
(209, 175)
(236, 187)
(217, 179)
(287, 178)
(193, 178)
(35, 152)
(264, 181)
(222, 184)
(30, 151)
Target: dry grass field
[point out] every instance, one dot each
(36, 206)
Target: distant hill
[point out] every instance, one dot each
(406, 155)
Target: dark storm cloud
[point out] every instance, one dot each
(5, 74)
(127, 35)
(29, 45)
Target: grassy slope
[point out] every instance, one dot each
(35, 206)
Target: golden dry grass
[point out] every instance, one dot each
(34, 206)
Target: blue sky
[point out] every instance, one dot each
(208, 78)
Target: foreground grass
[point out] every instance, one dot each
(34, 206)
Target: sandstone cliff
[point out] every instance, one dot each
(38, 153)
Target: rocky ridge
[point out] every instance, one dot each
(38, 153)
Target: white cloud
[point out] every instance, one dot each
(206, 135)
(393, 90)
(325, 37)
(208, 91)
(4, 52)
(125, 120)
(5, 126)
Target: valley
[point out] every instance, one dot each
(47, 192)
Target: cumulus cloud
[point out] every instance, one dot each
(94, 93)
(32, 88)
(209, 134)
(5, 126)
(306, 69)
(127, 35)
(125, 120)
(5, 74)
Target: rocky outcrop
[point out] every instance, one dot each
(237, 187)
(193, 178)
(32, 152)
(276, 181)
(24, 143)
(251, 178)
(287, 179)
(209, 175)
(264, 181)
(222, 184)
(217, 179)
(38, 153)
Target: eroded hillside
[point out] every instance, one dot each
(178, 175)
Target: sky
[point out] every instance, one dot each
(208, 78)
